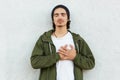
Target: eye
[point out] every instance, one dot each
(56, 15)
(63, 14)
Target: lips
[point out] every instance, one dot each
(60, 20)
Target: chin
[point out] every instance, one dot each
(61, 25)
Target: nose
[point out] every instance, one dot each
(60, 16)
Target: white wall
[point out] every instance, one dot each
(23, 21)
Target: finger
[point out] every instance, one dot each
(61, 50)
(63, 53)
(64, 47)
(71, 46)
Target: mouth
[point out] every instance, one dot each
(60, 21)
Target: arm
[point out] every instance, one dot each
(84, 59)
(39, 60)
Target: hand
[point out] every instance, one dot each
(67, 54)
(62, 53)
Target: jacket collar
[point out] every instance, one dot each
(47, 36)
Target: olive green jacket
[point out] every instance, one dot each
(44, 57)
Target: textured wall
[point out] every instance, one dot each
(23, 21)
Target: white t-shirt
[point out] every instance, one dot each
(65, 68)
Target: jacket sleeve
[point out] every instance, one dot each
(84, 59)
(39, 60)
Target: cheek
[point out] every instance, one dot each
(55, 18)
(66, 20)
(54, 21)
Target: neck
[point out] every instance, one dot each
(60, 31)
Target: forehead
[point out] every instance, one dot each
(59, 10)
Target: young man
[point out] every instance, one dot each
(60, 53)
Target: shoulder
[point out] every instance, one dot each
(76, 35)
(46, 36)
(47, 33)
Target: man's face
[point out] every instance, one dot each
(60, 17)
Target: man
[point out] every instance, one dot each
(60, 53)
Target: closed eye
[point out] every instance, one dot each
(63, 14)
(56, 14)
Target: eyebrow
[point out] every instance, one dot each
(59, 13)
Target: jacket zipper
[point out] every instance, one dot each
(77, 47)
(50, 53)
(50, 48)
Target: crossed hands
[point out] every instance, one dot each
(67, 54)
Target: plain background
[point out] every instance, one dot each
(23, 21)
